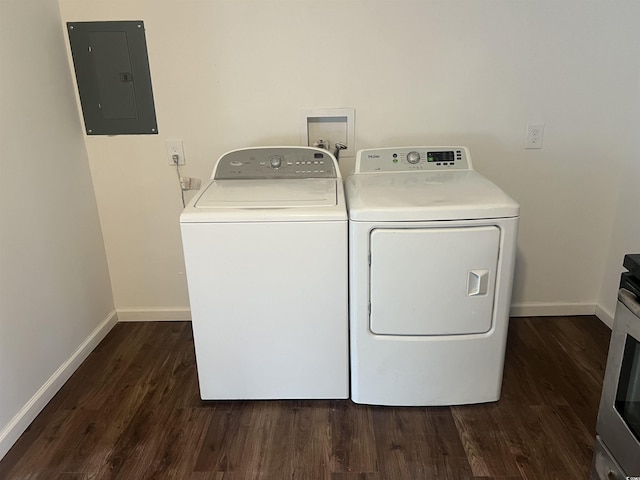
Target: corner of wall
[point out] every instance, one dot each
(605, 315)
(19, 423)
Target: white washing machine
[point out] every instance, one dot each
(265, 247)
(431, 258)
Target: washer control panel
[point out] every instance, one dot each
(275, 162)
(410, 159)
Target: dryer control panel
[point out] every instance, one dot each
(275, 163)
(411, 159)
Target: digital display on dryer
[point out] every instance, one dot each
(440, 156)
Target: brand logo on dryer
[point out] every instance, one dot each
(373, 155)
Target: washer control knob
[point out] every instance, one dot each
(413, 157)
(275, 161)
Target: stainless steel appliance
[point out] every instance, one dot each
(617, 449)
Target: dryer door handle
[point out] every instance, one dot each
(477, 282)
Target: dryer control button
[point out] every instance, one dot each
(413, 157)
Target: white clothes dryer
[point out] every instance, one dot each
(431, 259)
(265, 248)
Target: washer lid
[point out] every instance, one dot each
(424, 196)
(273, 200)
(268, 193)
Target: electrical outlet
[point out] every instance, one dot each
(175, 151)
(535, 132)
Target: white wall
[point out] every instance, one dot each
(228, 74)
(625, 236)
(55, 295)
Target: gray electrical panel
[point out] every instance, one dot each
(114, 81)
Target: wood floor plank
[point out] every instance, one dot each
(390, 445)
(132, 410)
(180, 440)
(57, 476)
(100, 358)
(560, 369)
(255, 440)
(278, 460)
(529, 373)
(583, 370)
(258, 440)
(93, 381)
(146, 393)
(447, 458)
(49, 452)
(484, 441)
(541, 445)
(498, 478)
(355, 476)
(312, 440)
(217, 453)
(414, 446)
(352, 439)
(519, 385)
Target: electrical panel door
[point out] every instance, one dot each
(114, 81)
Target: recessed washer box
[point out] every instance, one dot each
(329, 124)
(114, 82)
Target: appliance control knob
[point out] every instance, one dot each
(413, 157)
(275, 162)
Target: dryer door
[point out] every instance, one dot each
(433, 281)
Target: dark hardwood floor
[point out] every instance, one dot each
(132, 411)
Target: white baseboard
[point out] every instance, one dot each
(551, 309)
(605, 316)
(19, 423)
(153, 314)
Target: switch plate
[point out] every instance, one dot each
(174, 147)
(535, 133)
